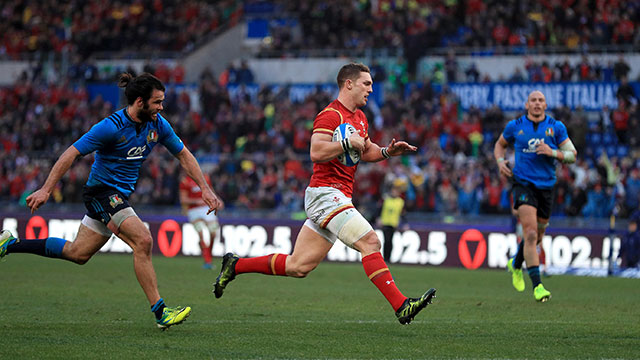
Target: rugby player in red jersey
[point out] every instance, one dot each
(199, 216)
(328, 205)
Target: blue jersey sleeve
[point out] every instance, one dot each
(168, 137)
(510, 131)
(561, 132)
(97, 137)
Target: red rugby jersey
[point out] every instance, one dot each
(193, 190)
(333, 173)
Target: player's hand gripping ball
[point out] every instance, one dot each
(350, 157)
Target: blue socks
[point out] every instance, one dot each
(53, 247)
(158, 308)
(534, 271)
(534, 274)
(49, 247)
(519, 258)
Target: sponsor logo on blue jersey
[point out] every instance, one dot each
(533, 143)
(136, 152)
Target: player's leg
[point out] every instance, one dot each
(137, 236)
(514, 265)
(388, 232)
(133, 232)
(214, 226)
(311, 246)
(201, 221)
(542, 256)
(200, 226)
(310, 249)
(545, 201)
(516, 226)
(356, 232)
(87, 242)
(529, 220)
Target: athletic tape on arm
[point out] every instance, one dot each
(568, 150)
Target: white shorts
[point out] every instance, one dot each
(198, 215)
(332, 215)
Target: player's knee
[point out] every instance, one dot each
(81, 260)
(77, 258)
(300, 270)
(143, 244)
(531, 235)
(368, 244)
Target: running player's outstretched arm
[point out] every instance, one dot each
(375, 153)
(499, 150)
(38, 198)
(190, 165)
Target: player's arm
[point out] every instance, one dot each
(499, 151)
(191, 167)
(323, 149)
(62, 165)
(567, 152)
(375, 153)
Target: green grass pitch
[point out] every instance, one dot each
(55, 309)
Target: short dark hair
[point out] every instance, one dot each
(139, 86)
(351, 72)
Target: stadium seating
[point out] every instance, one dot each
(240, 141)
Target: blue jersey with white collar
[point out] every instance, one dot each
(524, 134)
(121, 147)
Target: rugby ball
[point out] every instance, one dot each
(351, 157)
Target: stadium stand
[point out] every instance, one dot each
(87, 27)
(256, 147)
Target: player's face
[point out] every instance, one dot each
(536, 104)
(152, 107)
(362, 87)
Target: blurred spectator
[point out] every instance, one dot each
(630, 247)
(626, 92)
(620, 119)
(621, 68)
(472, 73)
(632, 191)
(244, 74)
(451, 66)
(598, 203)
(378, 73)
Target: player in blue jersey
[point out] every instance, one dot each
(539, 140)
(121, 143)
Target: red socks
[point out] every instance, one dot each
(379, 274)
(272, 264)
(374, 267)
(206, 252)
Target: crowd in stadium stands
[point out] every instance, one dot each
(85, 27)
(544, 72)
(257, 152)
(418, 25)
